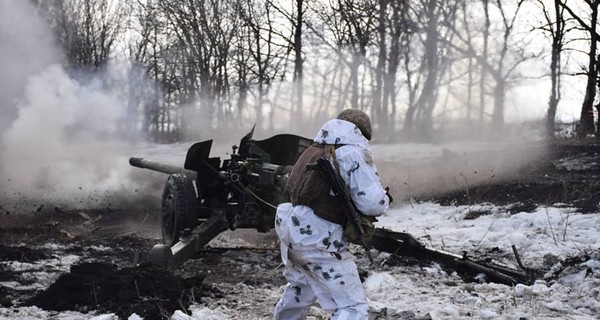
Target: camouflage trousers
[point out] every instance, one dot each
(315, 274)
(322, 276)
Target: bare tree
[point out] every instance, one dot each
(298, 60)
(554, 26)
(86, 30)
(351, 25)
(392, 24)
(145, 50)
(296, 19)
(497, 66)
(379, 106)
(484, 57)
(266, 55)
(436, 22)
(470, 66)
(400, 27)
(499, 73)
(203, 33)
(589, 25)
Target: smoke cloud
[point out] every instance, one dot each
(26, 48)
(59, 140)
(57, 134)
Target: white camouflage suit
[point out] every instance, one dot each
(318, 265)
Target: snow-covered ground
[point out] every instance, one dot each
(545, 238)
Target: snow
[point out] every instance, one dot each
(548, 230)
(203, 313)
(571, 164)
(555, 231)
(43, 273)
(545, 238)
(30, 313)
(559, 232)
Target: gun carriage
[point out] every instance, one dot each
(209, 196)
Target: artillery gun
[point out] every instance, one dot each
(209, 196)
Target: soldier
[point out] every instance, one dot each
(314, 249)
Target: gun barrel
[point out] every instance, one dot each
(161, 167)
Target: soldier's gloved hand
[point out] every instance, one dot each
(387, 193)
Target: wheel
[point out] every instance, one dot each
(179, 207)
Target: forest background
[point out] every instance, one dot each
(424, 70)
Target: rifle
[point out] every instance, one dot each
(340, 191)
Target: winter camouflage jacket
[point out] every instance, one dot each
(299, 225)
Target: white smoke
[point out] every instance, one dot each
(26, 48)
(60, 142)
(61, 139)
(64, 146)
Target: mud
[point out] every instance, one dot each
(144, 290)
(96, 259)
(111, 273)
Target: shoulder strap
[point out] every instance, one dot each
(330, 152)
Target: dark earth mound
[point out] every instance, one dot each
(22, 254)
(149, 292)
(113, 275)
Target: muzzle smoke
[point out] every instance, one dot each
(59, 138)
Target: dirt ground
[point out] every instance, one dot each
(111, 272)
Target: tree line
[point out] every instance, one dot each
(414, 65)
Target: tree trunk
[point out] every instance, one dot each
(486, 32)
(555, 70)
(354, 81)
(499, 95)
(381, 116)
(587, 112)
(428, 97)
(298, 68)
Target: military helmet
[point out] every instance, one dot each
(359, 118)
